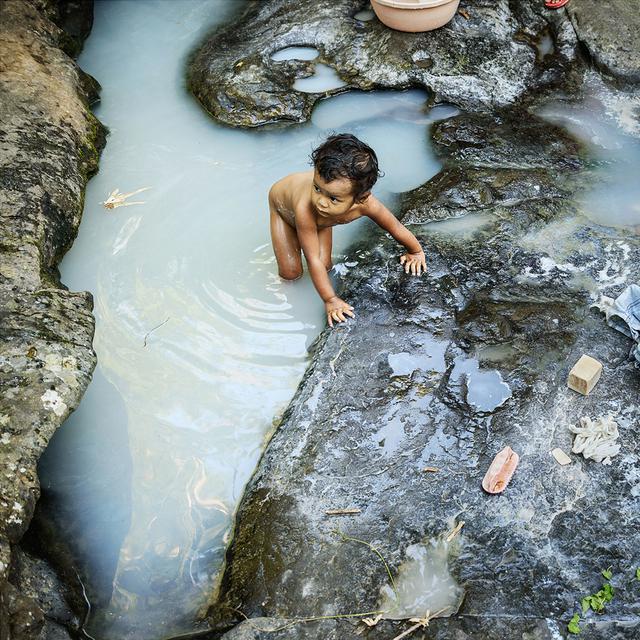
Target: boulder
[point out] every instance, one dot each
(49, 146)
(610, 31)
(507, 297)
(486, 57)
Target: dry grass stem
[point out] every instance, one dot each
(420, 623)
(117, 199)
(455, 531)
(372, 622)
(342, 512)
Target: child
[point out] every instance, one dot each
(304, 206)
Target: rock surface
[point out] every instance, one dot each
(49, 144)
(509, 293)
(445, 370)
(611, 33)
(479, 62)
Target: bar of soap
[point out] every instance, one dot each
(500, 471)
(560, 456)
(584, 375)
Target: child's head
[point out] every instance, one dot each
(344, 156)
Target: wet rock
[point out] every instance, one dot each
(462, 628)
(508, 291)
(510, 160)
(39, 585)
(479, 62)
(611, 33)
(49, 144)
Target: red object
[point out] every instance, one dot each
(555, 4)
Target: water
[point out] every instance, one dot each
(324, 79)
(296, 53)
(485, 389)
(200, 345)
(428, 356)
(365, 15)
(424, 584)
(613, 198)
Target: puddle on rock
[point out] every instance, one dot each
(295, 53)
(545, 46)
(324, 79)
(496, 353)
(429, 357)
(465, 227)
(424, 583)
(485, 390)
(390, 436)
(613, 199)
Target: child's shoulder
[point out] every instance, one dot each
(370, 205)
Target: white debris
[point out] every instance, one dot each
(5, 438)
(117, 199)
(53, 402)
(596, 439)
(4, 419)
(560, 456)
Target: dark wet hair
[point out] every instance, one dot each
(344, 156)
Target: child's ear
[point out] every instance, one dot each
(361, 199)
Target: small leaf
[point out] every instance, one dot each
(585, 605)
(573, 626)
(638, 573)
(607, 573)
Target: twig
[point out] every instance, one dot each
(410, 630)
(347, 538)
(154, 328)
(431, 469)
(420, 622)
(342, 512)
(290, 624)
(454, 532)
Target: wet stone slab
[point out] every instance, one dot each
(373, 411)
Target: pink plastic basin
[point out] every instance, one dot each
(415, 15)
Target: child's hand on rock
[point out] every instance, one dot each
(337, 309)
(414, 263)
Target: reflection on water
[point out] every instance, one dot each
(484, 390)
(199, 343)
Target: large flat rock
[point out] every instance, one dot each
(507, 298)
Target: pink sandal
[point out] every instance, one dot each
(555, 4)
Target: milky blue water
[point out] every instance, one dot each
(200, 345)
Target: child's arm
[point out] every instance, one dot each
(414, 260)
(307, 230)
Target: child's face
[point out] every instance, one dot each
(331, 198)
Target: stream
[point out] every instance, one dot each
(200, 345)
